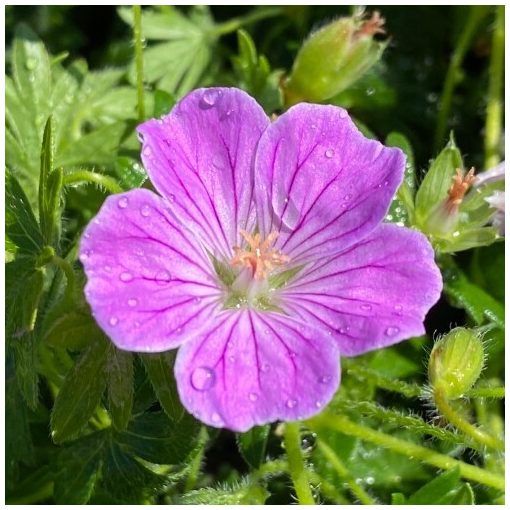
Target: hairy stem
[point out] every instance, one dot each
(407, 448)
(493, 119)
(292, 440)
(137, 35)
(458, 421)
(476, 15)
(68, 271)
(86, 176)
(344, 474)
(196, 463)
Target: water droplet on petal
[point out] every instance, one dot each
(253, 397)
(291, 403)
(31, 64)
(123, 202)
(145, 210)
(318, 404)
(108, 269)
(132, 302)
(392, 331)
(231, 359)
(324, 379)
(163, 277)
(347, 197)
(203, 378)
(147, 151)
(113, 321)
(125, 276)
(366, 307)
(292, 354)
(137, 324)
(198, 299)
(329, 153)
(264, 367)
(343, 114)
(215, 417)
(398, 309)
(209, 98)
(171, 198)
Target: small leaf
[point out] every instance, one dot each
(163, 103)
(160, 369)
(20, 223)
(79, 466)
(252, 445)
(120, 386)
(280, 279)
(131, 174)
(439, 491)
(80, 393)
(72, 329)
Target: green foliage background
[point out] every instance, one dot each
(87, 423)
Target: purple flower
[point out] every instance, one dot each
(263, 256)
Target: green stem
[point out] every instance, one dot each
(68, 271)
(137, 35)
(94, 178)
(493, 117)
(458, 421)
(234, 24)
(344, 474)
(407, 448)
(476, 15)
(192, 478)
(496, 392)
(292, 440)
(386, 383)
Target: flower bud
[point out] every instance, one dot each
(334, 57)
(456, 362)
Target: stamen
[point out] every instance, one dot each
(260, 257)
(460, 186)
(373, 25)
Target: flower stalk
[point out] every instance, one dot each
(138, 40)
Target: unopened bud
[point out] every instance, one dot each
(334, 57)
(456, 362)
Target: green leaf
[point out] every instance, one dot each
(437, 181)
(80, 394)
(252, 445)
(397, 498)
(280, 279)
(99, 147)
(23, 289)
(440, 491)
(131, 174)
(160, 369)
(466, 238)
(126, 479)
(477, 303)
(21, 226)
(79, 467)
(163, 103)
(155, 438)
(176, 65)
(25, 356)
(390, 363)
(120, 386)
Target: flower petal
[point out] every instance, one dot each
(320, 182)
(371, 295)
(252, 368)
(200, 157)
(150, 284)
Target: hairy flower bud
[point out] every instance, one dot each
(334, 57)
(456, 362)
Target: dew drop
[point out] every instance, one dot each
(392, 331)
(324, 379)
(215, 417)
(329, 153)
(125, 276)
(145, 211)
(264, 367)
(366, 307)
(209, 98)
(231, 359)
(137, 324)
(108, 269)
(202, 378)
(198, 299)
(398, 309)
(123, 203)
(163, 277)
(31, 64)
(318, 404)
(253, 397)
(132, 302)
(347, 197)
(147, 151)
(291, 403)
(113, 321)
(370, 480)
(343, 114)
(171, 198)
(292, 354)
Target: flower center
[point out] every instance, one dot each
(260, 257)
(461, 184)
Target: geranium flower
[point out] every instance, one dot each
(263, 256)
